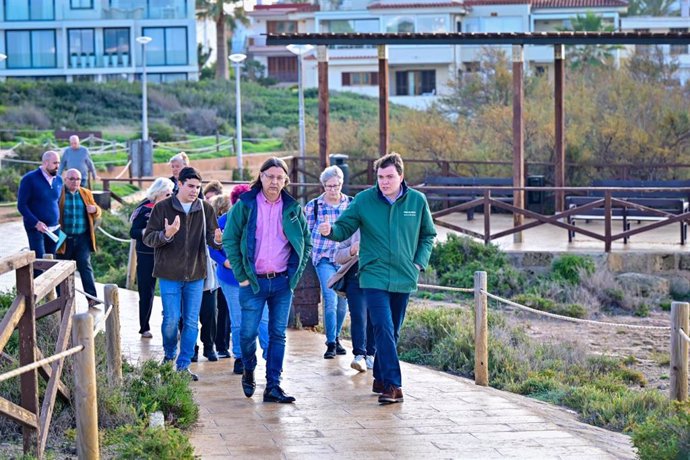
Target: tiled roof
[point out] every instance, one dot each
(302, 7)
(551, 3)
(384, 6)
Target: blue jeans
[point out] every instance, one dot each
(387, 313)
(277, 294)
(180, 299)
(361, 328)
(78, 248)
(334, 306)
(232, 297)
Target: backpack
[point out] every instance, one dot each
(316, 206)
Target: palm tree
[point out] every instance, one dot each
(582, 55)
(652, 8)
(227, 15)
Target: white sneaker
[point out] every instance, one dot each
(359, 363)
(370, 361)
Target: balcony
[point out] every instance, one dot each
(157, 9)
(92, 61)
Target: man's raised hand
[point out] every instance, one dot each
(172, 229)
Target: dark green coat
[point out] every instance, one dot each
(239, 238)
(394, 238)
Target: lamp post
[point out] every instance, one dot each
(144, 40)
(300, 51)
(238, 58)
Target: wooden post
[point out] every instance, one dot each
(322, 55)
(132, 264)
(112, 334)
(559, 153)
(52, 295)
(27, 355)
(481, 331)
(518, 140)
(85, 400)
(383, 100)
(679, 350)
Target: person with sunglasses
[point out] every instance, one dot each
(146, 283)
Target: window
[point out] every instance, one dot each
(81, 4)
(471, 67)
(29, 10)
(283, 69)
(166, 9)
(164, 77)
(400, 24)
(360, 78)
(281, 27)
(350, 26)
(116, 46)
(81, 41)
(415, 83)
(432, 24)
(27, 49)
(168, 47)
(679, 49)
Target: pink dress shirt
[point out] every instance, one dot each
(272, 246)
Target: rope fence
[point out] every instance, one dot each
(35, 365)
(113, 237)
(678, 332)
(124, 170)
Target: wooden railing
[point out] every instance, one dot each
(26, 308)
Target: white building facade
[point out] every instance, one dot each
(96, 39)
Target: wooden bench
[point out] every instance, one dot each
(673, 202)
(453, 196)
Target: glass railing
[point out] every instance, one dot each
(145, 9)
(93, 61)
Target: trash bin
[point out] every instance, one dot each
(535, 198)
(102, 199)
(340, 160)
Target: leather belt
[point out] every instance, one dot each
(270, 275)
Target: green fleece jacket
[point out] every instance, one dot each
(239, 238)
(395, 237)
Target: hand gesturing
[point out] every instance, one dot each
(172, 229)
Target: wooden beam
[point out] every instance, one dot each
(322, 56)
(51, 307)
(15, 261)
(384, 138)
(518, 139)
(559, 134)
(10, 320)
(18, 413)
(44, 372)
(52, 277)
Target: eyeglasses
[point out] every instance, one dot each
(74, 178)
(274, 178)
(332, 186)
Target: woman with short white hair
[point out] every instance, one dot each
(160, 190)
(177, 163)
(327, 207)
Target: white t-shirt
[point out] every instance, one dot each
(186, 207)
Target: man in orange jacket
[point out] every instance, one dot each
(78, 213)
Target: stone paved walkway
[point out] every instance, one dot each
(337, 416)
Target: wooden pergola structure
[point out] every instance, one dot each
(517, 40)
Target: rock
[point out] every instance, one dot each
(644, 285)
(680, 286)
(157, 420)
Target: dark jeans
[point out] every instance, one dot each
(277, 294)
(387, 313)
(361, 328)
(146, 284)
(78, 248)
(40, 243)
(222, 323)
(207, 316)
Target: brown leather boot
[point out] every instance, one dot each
(391, 395)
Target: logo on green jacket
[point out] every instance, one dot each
(409, 213)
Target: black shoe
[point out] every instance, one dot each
(224, 354)
(330, 351)
(339, 350)
(195, 356)
(238, 368)
(191, 374)
(277, 395)
(211, 355)
(248, 383)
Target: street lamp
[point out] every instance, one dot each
(300, 51)
(238, 58)
(144, 40)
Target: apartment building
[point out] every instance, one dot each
(418, 74)
(96, 39)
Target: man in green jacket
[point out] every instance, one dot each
(267, 243)
(397, 237)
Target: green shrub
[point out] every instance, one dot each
(665, 305)
(140, 442)
(570, 267)
(456, 260)
(664, 437)
(551, 306)
(162, 132)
